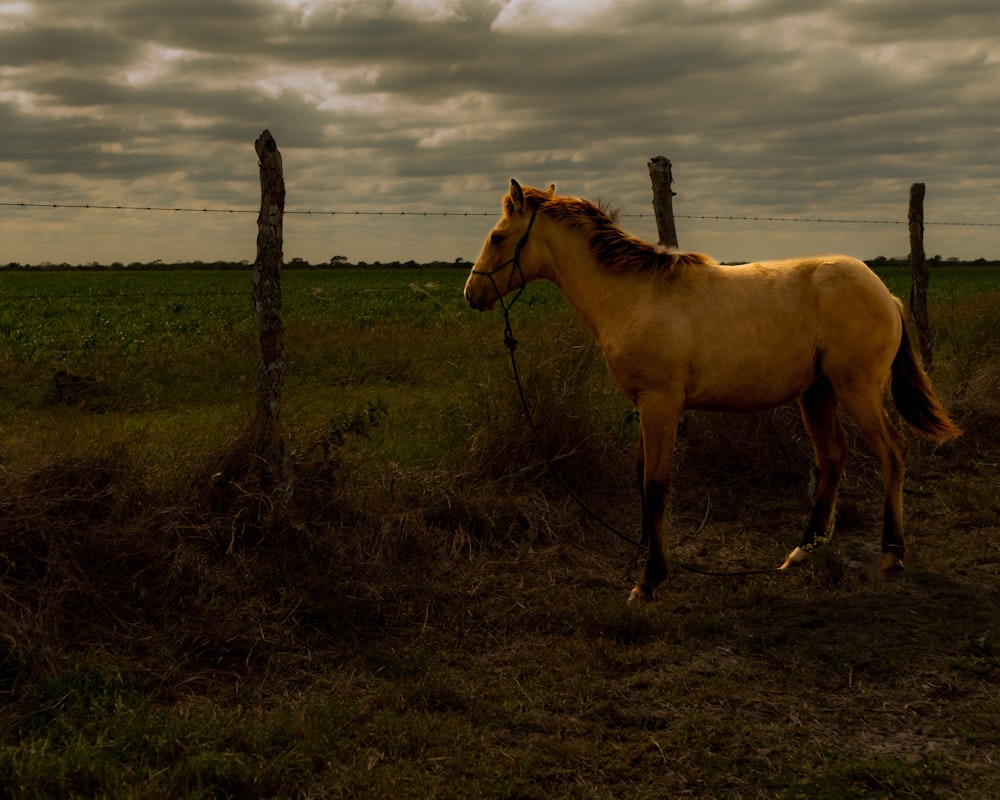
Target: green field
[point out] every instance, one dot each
(947, 284)
(419, 610)
(150, 345)
(159, 341)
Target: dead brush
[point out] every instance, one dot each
(977, 407)
(574, 409)
(234, 492)
(206, 575)
(967, 374)
(72, 560)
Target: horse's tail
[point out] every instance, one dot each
(914, 396)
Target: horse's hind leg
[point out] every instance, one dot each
(890, 449)
(819, 412)
(640, 472)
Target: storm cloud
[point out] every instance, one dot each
(767, 108)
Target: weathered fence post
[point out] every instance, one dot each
(268, 444)
(921, 275)
(663, 204)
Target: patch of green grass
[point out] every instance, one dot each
(982, 657)
(946, 284)
(115, 743)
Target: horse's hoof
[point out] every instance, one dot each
(891, 565)
(797, 556)
(640, 594)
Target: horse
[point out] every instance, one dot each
(679, 331)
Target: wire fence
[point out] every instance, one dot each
(417, 213)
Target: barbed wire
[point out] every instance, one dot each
(236, 293)
(401, 213)
(307, 212)
(825, 220)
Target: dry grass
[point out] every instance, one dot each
(460, 630)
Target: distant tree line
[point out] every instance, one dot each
(341, 262)
(934, 261)
(337, 262)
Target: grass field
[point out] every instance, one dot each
(421, 611)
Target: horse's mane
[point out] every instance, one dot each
(614, 249)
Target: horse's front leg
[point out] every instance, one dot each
(658, 426)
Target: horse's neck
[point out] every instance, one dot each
(600, 297)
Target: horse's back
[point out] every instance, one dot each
(808, 274)
(825, 289)
(791, 293)
(858, 322)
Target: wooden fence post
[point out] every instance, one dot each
(663, 204)
(268, 444)
(921, 275)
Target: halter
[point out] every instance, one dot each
(508, 334)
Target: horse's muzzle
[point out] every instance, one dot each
(480, 304)
(482, 297)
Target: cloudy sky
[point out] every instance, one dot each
(767, 108)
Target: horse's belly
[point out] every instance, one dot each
(743, 398)
(755, 382)
(746, 362)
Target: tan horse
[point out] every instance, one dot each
(679, 331)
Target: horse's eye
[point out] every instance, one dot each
(496, 239)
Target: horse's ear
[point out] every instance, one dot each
(551, 190)
(516, 196)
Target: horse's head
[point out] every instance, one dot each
(506, 261)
